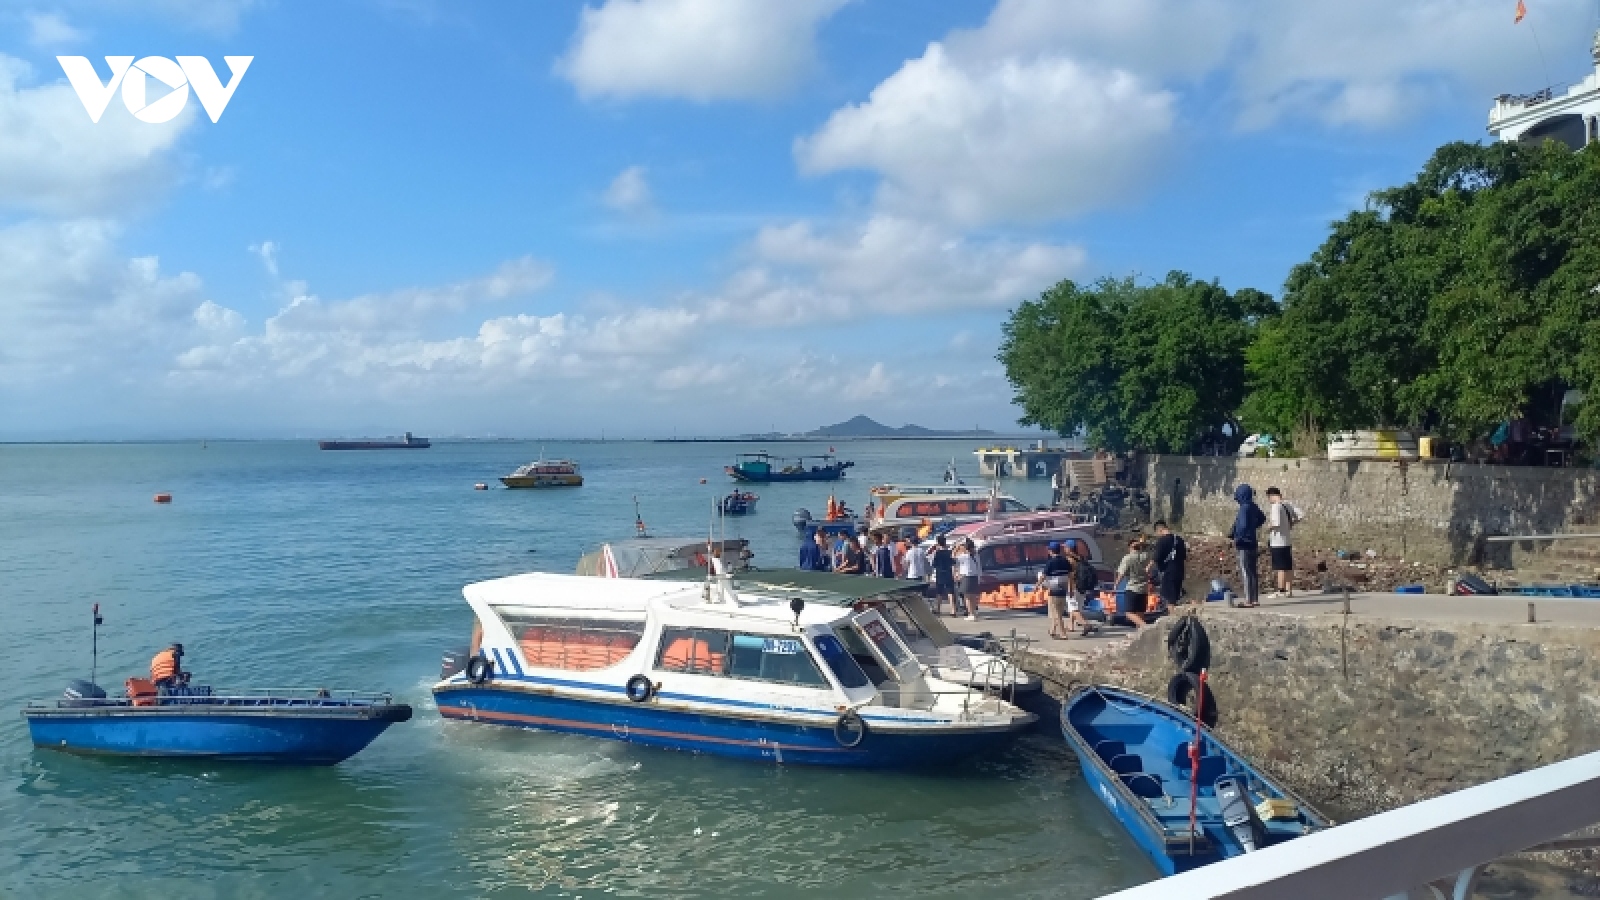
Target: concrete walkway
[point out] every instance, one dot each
(1490, 610)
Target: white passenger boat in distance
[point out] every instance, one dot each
(758, 674)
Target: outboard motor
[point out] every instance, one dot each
(1236, 812)
(82, 693)
(454, 661)
(802, 518)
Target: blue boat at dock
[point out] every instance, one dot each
(1134, 751)
(297, 726)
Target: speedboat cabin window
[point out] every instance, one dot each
(694, 651)
(576, 645)
(856, 645)
(840, 662)
(1000, 556)
(891, 649)
(765, 657)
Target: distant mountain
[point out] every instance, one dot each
(861, 426)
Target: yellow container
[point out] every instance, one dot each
(1277, 808)
(1425, 447)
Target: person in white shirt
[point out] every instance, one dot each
(968, 568)
(1281, 516)
(918, 568)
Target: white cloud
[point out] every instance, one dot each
(629, 192)
(73, 306)
(268, 251)
(53, 159)
(999, 141)
(50, 30)
(887, 266)
(695, 49)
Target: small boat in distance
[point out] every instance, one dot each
(739, 503)
(312, 727)
(1134, 751)
(763, 468)
(545, 473)
(406, 443)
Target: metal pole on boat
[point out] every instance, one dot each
(94, 647)
(1194, 758)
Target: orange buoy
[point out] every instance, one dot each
(163, 498)
(480, 486)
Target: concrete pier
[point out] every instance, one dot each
(1405, 698)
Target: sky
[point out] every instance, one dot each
(651, 217)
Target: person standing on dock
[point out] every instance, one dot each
(882, 556)
(1132, 582)
(854, 561)
(944, 575)
(1245, 525)
(1168, 557)
(917, 563)
(1056, 580)
(813, 552)
(970, 570)
(1282, 516)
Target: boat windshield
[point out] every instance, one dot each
(892, 650)
(862, 653)
(839, 662)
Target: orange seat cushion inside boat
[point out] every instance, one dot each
(551, 648)
(691, 655)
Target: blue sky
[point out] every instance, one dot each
(647, 216)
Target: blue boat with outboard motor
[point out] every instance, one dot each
(1183, 810)
(763, 468)
(307, 726)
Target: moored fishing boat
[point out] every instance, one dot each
(763, 468)
(739, 503)
(757, 674)
(300, 726)
(545, 473)
(1134, 751)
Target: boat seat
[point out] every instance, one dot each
(1211, 767)
(1109, 748)
(1126, 763)
(1144, 784)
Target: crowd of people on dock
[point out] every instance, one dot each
(951, 573)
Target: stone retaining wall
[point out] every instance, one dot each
(1436, 512)
(1368, 715)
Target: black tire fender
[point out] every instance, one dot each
(849, 729)
(480, 669)
(1188, 645)
(639, 689)
(1186, 684)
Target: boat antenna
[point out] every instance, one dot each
(94, 646)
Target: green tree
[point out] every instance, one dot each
(1151, 367)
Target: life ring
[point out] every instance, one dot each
(639, 689)
(480, 669)
(1182, 686)
(1188, 646)
(849, 730)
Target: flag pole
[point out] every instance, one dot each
(94, 647)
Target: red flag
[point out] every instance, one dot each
(1522, 10)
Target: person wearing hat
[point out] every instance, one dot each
(1056, 579)
(166, 670)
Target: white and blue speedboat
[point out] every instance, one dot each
(756, 673)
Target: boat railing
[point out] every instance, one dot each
(310, 697)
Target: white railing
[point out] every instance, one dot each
(1431, 849)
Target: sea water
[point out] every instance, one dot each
(278, 564)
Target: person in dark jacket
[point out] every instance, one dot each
(1245, 525)
(1167, 560)
(812, 556)
(882, 556)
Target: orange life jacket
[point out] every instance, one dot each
(164, 666)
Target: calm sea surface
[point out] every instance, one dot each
(281, 565)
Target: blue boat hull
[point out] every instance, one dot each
(1132, 750)
(244, 735)
(724, 735)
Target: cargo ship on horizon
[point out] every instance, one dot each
(407, 443)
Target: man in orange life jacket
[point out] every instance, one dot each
(166, 670)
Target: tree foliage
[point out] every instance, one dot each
(1150, 367)
(1461, 299)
